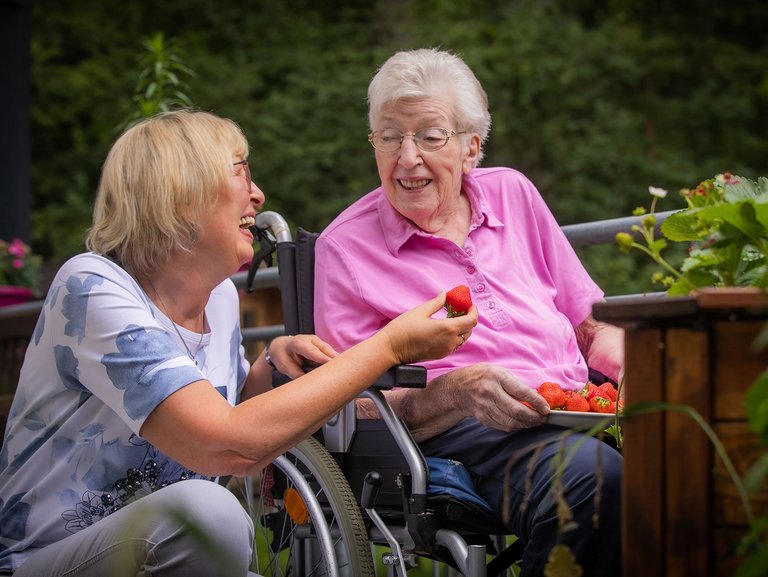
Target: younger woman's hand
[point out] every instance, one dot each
(415, 336)
(289, 353)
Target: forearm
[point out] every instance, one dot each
(606, 350)
(221, 439)
(258, 380)
(426, 412)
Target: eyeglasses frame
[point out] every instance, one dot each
(246, 170)
(448, 135)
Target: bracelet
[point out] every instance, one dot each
(269, 360)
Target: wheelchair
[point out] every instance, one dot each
(356, 484)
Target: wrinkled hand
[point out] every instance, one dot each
(415, 336)
(289, 353)
(495, 397)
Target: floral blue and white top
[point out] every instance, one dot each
(102, 357)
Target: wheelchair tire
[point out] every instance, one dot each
(287, 544)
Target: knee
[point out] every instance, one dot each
(595, 465)
(210, 508)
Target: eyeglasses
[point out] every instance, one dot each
(427, 139)
(246, 171)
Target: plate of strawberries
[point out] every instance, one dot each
(583, 407)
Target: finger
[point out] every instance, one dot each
(324, 347)
(435, 304)
(316, 351)
(465, 323)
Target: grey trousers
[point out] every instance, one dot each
(188, 529)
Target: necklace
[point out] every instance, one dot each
(176, 328)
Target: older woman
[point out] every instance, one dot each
(135, 394)
(438, 220)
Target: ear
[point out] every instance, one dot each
(471, 154)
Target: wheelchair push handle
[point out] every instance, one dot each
(271, 230)
(275, 224)
(371, 487)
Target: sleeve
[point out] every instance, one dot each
(574, 291)
(110, 345)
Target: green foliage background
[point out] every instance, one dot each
(593, 99)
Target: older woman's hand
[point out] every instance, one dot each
(290, 353)
(493, 396)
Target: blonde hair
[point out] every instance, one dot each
(157, 180)
(431, 73)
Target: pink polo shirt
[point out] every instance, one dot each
(526, 280)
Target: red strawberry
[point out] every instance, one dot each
(577, 402)
(602, 405)
(607, 391)
(458, 301)
(553, 394)
(589, 391)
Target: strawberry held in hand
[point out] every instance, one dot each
(458, 301)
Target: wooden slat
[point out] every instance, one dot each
(687, 452)
(741, 445)
(643, 530)
(732, 379)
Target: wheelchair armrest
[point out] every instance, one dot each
(405, 376)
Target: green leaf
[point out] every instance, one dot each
(743, 189)
(754, 564)
(701, 258)
(681, 226)
(740, 216)
(679, 288)
(761, 213)
(755, 477)
(657, 245)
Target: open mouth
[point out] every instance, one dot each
(247, 221)
(414, 184)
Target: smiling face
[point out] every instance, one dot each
(225, 231)
(425, 187)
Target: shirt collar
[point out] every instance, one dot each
(399, 229)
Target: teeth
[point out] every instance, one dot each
(247, 221)
(413, 184)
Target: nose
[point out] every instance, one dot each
(257, 196)
(409, 153)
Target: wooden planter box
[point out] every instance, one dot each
(681, 512)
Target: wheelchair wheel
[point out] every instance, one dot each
(292, 539)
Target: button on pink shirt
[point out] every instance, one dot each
(526, 280)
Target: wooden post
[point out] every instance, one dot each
(681, 512)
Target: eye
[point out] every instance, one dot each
(389, 135)
(238, 167)
(432, 135)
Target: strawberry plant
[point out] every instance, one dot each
(725, 229)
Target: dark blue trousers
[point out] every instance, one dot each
(529, 457)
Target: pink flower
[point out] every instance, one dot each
(18, 263)
(17, 248)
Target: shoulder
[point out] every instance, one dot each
(504, 191)
(499, 177)
(87, 271)
(356, 217)
(89, 263)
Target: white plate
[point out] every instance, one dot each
(579, 420)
